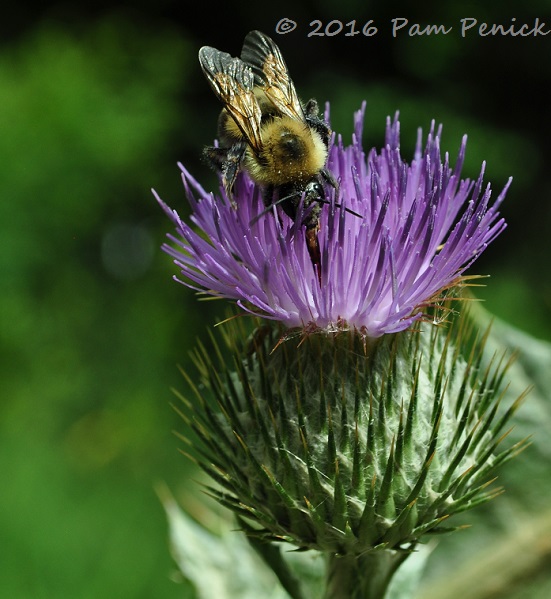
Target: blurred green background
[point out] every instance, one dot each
(97, 104)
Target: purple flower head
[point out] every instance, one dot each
(397, 235)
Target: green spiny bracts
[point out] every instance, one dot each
(348, 448)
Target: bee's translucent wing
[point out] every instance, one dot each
(233, 82)
(271, 74)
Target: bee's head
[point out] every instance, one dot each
(313, 191)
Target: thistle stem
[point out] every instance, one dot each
(361, 577)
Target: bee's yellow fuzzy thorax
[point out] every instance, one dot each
(291, 152)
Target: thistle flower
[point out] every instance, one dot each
(358, 456)
(356, 445)
(393, 240)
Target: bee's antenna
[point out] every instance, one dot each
(269, 208)
(281, 200)
(337, 205)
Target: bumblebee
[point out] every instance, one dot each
(266, 130)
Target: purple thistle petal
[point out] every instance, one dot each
(421, 227)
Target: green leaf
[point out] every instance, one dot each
(407, 577)
(218, 565)
(271, 554)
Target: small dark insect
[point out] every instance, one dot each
(265, 129)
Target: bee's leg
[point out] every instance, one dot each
(268, 196)
(234, 158)
(311, 108)
(316, 122)
(313, 199)
(328, 177)
(313, 246)
(215, 157)
(226, 161)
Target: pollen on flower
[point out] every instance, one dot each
(396, 238)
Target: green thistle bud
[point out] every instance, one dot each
(355, 451)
